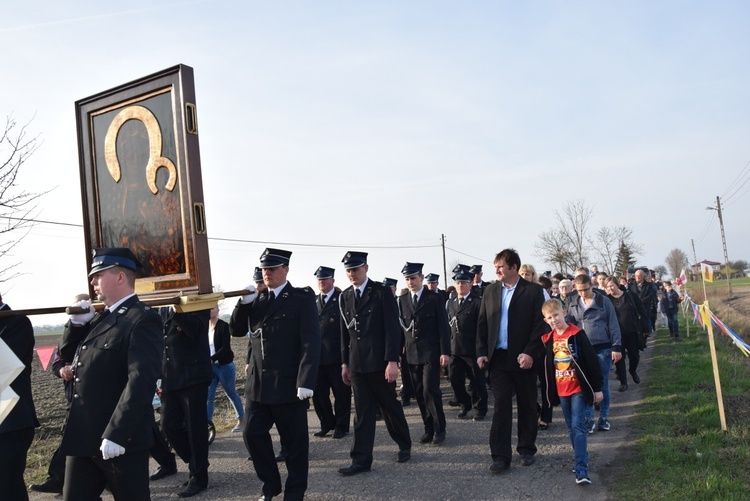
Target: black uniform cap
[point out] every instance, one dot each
(390, 282)
(410, 269)
(324, 272)
(354, 259)
(109, 257)
(273, 258)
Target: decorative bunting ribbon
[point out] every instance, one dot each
(703, 315)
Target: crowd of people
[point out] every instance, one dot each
(546, 340)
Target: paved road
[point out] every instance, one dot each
(457, 469)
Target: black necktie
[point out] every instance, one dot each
(357, 296)
(415, 299)
(271, 297)
(322, 301)
(100, 316)
(460, 302)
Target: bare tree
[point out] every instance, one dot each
(606, 246)
(565, 246)
(660, 271)
(552, 248)
(676, 260)
(16, 204)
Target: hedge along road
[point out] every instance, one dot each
(457, 469)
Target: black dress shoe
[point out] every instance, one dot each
(322, 433)
(480, 416)
(623, 387)
(439, 438)
(454, 403)
(50, 485)
(282, 456)
(636, 379)
(353, 469)
(164, 471)
(267, 497)
(528, 460)
(339, 434)
(426, 438)
(191, 490)
(462, 414)
(405, 402)
(499, 466)
(403, 456)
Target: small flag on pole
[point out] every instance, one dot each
(682, 279)
(708, 272)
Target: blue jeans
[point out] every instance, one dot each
(605, 362)
(225, 374)
(673, 323)
(574, 409)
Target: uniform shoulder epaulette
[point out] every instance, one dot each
(304, 291)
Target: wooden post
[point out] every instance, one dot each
(715, 363)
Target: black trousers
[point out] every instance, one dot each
(336, 416)
(425, 378)
(371, 391)
(184, 420)
(126, 475)
(407, 389)
(291, 422)
(631, 351)
(56, 469)
(462, 368)
(14, 445)
(160, 451)
(504, 382)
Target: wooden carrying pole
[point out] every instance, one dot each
(71, 310)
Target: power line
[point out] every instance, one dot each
(467, 255)
(41, 221)
(343, 246)
(706, 228)
(739, 176)
(735, 192)
(245, 241)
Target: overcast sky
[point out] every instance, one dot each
(382, 125)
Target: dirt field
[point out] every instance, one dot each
(49, 396)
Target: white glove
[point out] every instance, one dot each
(110, 449)
(303, 393)
(83, 318)
(249, 298)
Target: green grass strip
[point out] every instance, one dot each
(680, 451)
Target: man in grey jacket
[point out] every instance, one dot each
(595, 314)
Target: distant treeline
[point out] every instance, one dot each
(49, 329)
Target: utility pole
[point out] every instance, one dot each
(700, 270)
(445, 266)
(724, 244)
